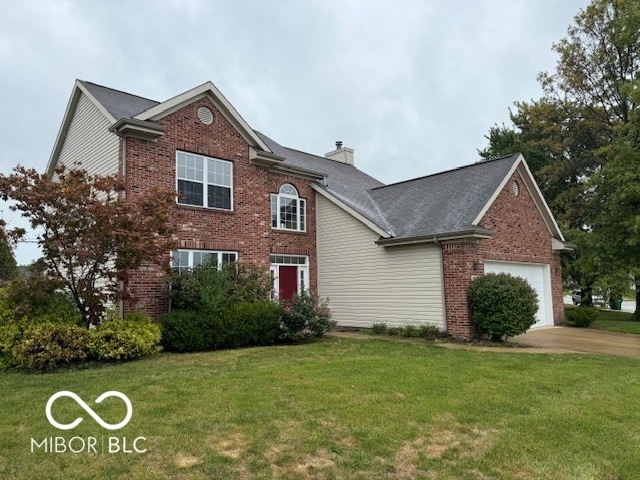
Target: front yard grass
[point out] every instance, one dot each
(338, 409)
(613, 321)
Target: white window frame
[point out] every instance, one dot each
(205, 179)
(191, 255)
(286, 192)
(277, 260)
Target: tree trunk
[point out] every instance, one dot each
(636, 315)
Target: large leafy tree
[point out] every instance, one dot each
(579, 135)
(90, 233)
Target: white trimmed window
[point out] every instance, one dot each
(288, 210)
(183, 260)
(204, 181)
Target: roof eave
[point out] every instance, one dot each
(472, 235)
(126, 127)
(558, 245)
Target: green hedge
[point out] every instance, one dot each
(48, 346)
(241, 324)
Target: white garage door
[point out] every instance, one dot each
(538, 276)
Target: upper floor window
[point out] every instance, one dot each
(204, 181)
(288, 211)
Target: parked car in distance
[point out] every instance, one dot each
(597, 300)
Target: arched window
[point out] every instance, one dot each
(288, 210)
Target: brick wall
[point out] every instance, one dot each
(246, 229)
(520, 235)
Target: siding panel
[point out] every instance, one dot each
(89, 141)
(368, 284)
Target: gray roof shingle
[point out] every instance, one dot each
(119, 104)
(446, 202)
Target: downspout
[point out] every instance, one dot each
(124, 195)
(444, 299)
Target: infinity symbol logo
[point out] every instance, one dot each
(88, 409)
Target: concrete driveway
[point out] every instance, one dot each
(581, 340)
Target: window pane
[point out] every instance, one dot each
(228, 258)
(190, 193)
(287, 189)
(303, 214)
(274, 211)
(219, 197)
(288, 213)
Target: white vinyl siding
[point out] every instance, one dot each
(367, 283)
(89, 144)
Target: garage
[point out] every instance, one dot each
(538, 276)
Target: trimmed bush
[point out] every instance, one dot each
(186, 331)
(123, 339)
(48, 346)
(248, 323)
(305, 316)
(502, 305)
(581, 316)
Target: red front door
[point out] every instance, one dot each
(288, 281)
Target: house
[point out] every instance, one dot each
(400, 254)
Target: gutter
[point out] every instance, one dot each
(473, 234)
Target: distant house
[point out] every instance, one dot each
(400, 254)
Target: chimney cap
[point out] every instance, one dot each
(338, 144)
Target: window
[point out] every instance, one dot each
(183, 260)
(204, 181)
(288, 211)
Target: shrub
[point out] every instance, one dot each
(502, 305)
(123, 339)
(246, 323)
(47, 346)
(379, 328)
(581, 316)
(395, 331)
(208, 288)
(186, 331)
(431, 332)
(304, 316)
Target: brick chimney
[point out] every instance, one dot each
(341, 154)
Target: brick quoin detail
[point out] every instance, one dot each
(520, 235)
(246, 229)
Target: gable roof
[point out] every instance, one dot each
(442, 203)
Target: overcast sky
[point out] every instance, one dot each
(412, 85)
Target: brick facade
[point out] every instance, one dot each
(246, 229)
(520, 235)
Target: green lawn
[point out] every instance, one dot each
(613, 321)
(343, 409)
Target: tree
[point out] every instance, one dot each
(8, 265)
(89, 232)
(581, 133)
